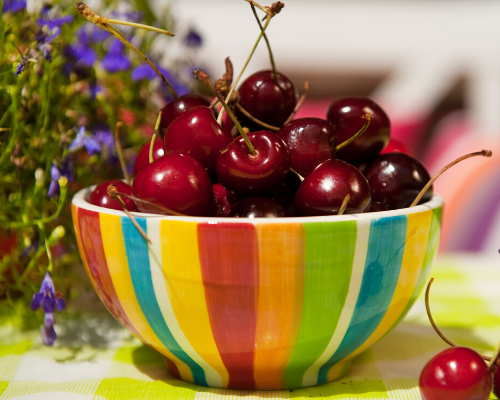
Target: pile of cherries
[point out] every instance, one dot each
(202, 168)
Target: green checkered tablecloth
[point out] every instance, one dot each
(94, 358)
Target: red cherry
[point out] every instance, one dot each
(177, 182)
(100, 197)
(258, 207)
(496, 383)
(397, 146)
(323, 191)
(176, 107)
(143, 156)
(268, 101)
(345, 114)
(457, 373)
(396, 179)
(243, 173)
(310, 141)
(197, 134)
(224, 200)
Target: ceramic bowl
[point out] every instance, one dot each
(276, 303)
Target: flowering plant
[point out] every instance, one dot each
(64, 86)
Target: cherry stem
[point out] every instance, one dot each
(114, 194)
(493, 364)
(297, 174)
(135, 25)
(235, 83)
(368, 118)
(137, 200)
(91, 16)
(119, 150)
(267, 42)
(201, 76)
(299, 103)
(257, 121)
(434, 326)
(343, 206)
(484, 153)
(155, 134)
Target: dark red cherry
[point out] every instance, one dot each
(224, 200)
(143, 156)
(268, 101)
(397, 146)
(243, 173)
(310, 141)
(258, 207)
(177, 182)
(496, 383)
(176, 107)
(100, 197)
(396, 179)
(345, 114)
(197, 134)
(457, 373)
(377, 207)
(324, 189)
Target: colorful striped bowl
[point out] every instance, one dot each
(258, 303)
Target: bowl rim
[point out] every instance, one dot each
(80, 201)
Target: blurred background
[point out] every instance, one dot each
(434, 66)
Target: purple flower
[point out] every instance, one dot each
(193, 39)
(49, 335)
(55, 23)
(116, 59)
(49, 300)
(83, 140)
(106, 139)
(144, 71)
(66, 170)
(98, 35)
(95, 89)
(13, 6)
(81, 53)
(46, 297)
(22, 65)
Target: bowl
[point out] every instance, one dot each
(278, 303)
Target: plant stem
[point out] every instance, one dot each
(368, 118)
(267, 43)
(484, 153)
(88, 14)
(24, 224)
(135, 25)
(203, 77)
(235, 83)
(257, 121)
(299, 103)
(119, 150)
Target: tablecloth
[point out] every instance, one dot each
(94, 358)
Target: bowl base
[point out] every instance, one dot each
(338, 371)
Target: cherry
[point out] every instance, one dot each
(100, 197)
(258, 207)
(345, 114)
(176, 182)
(377, 207)
(457, 373)
(496, 383)
(397, 146)
(396, 179)
(143, 156)
(261, 173)
(268, 101)
(197, 134)
(224, 200)
(310, 141)
(323, 191)
(176, 107)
